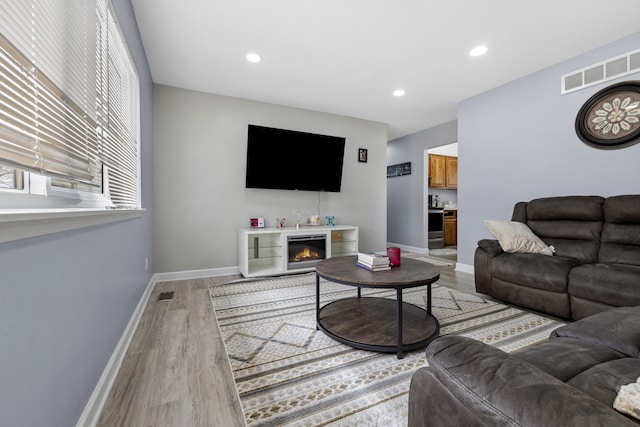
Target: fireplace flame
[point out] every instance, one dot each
(306, 255)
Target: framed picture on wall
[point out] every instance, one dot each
(362, 155)
(399, 169)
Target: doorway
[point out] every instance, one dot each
(441, 195)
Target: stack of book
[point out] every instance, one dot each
(373, 261)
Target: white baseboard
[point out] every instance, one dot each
(93, 409)
(423, 251)
(196, 274)
(465, 268)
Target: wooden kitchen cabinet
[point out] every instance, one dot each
(443, 171)
(451, 172)
(436, 171)
(450, 227)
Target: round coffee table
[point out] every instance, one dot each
(374, 323)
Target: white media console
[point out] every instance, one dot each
(264, 251)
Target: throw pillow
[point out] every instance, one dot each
(515, 236)
(628, 399)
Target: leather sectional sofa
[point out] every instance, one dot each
(596, 264)
(570, 380)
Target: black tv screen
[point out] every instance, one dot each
(291, 160)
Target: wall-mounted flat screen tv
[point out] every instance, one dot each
(291, 160)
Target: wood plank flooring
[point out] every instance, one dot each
(176, 373)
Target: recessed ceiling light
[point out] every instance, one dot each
(478, 50)
(253, 57)
(398, 92)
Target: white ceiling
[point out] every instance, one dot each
(346, 57)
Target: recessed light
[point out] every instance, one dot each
(253, 57)
(478, 50)
(398, 92)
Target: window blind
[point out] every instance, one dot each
(69, 95)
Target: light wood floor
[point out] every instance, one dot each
(176, 373)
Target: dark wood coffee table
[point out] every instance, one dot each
(374, 323)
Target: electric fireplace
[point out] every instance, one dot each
(305, 251)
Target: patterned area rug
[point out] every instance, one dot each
(289, 374)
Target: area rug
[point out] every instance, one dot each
(289, 374)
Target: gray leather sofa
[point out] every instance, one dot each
(570, 380)
(596, 264)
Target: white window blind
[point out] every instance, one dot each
(69, 95)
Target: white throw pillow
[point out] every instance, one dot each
(628, 399)
(515, 236)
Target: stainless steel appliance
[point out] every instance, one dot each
(435, 236)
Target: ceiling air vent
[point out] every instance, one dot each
(609, 69)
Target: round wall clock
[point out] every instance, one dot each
(610, 119)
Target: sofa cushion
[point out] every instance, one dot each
(603, 381)
(563, 208)
(571, 224)
(515, 236)
(621, 231)
(566, 358)
(614, 328)
(534, 270)
(613, 284)
(581, 307)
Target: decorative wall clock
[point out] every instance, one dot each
(610, 119)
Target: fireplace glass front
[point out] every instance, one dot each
(305, 251)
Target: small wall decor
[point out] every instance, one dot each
(610, 119)
(362, 155)
(399, 169)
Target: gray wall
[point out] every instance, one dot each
(405, 194)
(518, 142)
(200, 157)
(67, 297)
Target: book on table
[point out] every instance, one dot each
(380, 267)
(373, 258)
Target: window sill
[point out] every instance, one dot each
(18, 224)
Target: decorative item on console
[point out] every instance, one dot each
(313, 220)
(298, 216)
(257, 222)
(280, 222)
(330, 220)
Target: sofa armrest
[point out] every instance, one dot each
(471, 383)
(491, 247)
(486, 250)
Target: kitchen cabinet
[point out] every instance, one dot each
(436, 171)
(450, 227)
(443, 171)
(451, 172)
